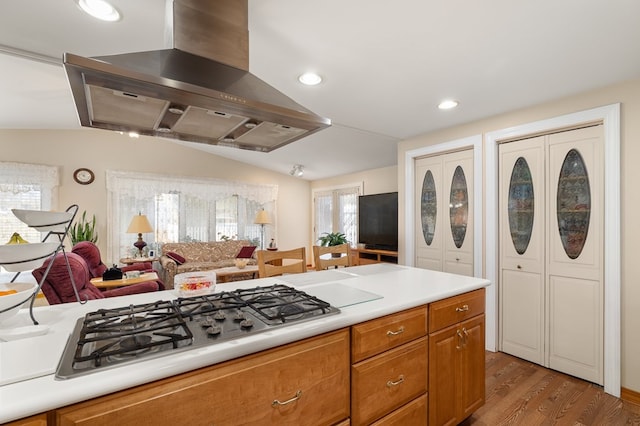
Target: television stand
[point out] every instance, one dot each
(367, 256)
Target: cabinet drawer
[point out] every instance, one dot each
(444, 313)
(310, 379)
(385, 382)
(378, 335)
(411, 414)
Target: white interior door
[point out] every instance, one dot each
(522, 241)
(458, 240)
(429, 213)
(551, 288)
(575, 253)
(444, 212)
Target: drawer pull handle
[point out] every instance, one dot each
(463, 309)
(395, 333)
(277, 403)
(391, 383)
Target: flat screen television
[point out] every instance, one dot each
(378, 221)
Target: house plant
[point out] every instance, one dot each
(333, 239)
(83, 230)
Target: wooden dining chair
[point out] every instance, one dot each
(344, 258)
(272, 263)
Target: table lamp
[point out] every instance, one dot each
(139, 225)
(262, 218)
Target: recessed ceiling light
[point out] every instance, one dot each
(99, 9)
(310, 79)
(448, 104)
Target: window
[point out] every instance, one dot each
(185, 209)
(336, 210)
(25, 186)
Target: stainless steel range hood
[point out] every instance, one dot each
(198, 91)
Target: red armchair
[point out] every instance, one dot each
(91, 254)
(58, 288)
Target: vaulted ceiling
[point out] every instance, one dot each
(386, 65)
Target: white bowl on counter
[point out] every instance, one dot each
(44, 221)
(29, 256)
(23, 293)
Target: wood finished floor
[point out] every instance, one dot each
(521, 393)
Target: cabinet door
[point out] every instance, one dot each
(305, 382)
(471, 368)
(522, 262)
(456, 371)
(443, 351)
(430, 207)
(458, 233)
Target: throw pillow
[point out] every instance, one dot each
(246, 252)
(176, 257)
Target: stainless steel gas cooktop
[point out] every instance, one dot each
(109, 338)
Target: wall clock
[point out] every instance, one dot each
(83, 176)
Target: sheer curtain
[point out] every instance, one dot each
(184, 209)
(25, 186)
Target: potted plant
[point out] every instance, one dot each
(82, 230)
(333, 239)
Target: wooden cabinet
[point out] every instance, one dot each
(456, 357)
(390, 356)
(368, 256)
(37, 420)
(306, 382)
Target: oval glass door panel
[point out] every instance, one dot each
(458, 207)
(428, 207)
(521, 205)
(573, 204)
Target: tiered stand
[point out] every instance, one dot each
(24, 257)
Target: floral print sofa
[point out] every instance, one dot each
(199, 256)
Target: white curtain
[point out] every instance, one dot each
(25, 186)
(183, 209)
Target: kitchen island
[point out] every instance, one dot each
(364, 294)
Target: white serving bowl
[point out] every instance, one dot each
(23, 253)
(24, 292)
(44, 221)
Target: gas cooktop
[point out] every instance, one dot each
(112, 337)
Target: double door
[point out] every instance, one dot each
(551, 251)
(444, 216)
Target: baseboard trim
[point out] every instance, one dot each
(629, 395)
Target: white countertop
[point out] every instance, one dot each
(362, 293)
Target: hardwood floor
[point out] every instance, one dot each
(521, 393)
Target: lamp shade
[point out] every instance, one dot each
(262, 218)
(139, 225)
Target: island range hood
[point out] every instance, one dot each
(200, 90)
